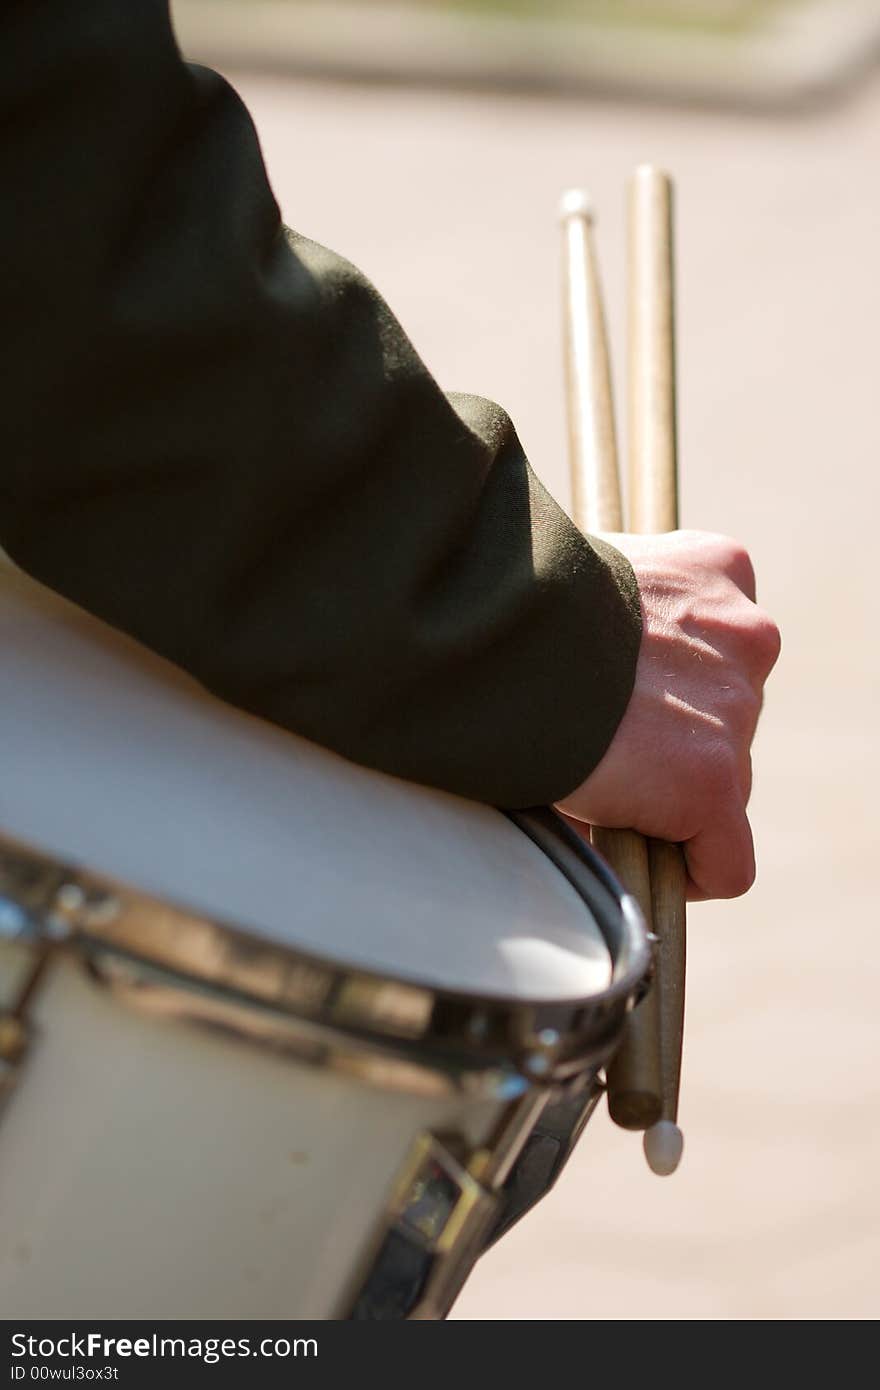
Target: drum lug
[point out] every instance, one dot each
(545, 1153)
(436, 1225)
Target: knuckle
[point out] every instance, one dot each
(736, 552)
(728, 549)
(737, 564)
(766, 639)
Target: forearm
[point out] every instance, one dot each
(217, 437)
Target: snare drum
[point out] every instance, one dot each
(277, 1031)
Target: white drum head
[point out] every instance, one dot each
(114, 758)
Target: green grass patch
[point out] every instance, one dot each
(722, 17)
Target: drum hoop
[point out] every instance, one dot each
(46, 900)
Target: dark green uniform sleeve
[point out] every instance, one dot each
(216, 437)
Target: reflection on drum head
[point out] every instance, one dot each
(113, 757)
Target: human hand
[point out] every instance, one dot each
(679, 765)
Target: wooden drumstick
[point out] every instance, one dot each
(653, 480)
(592, 438)
(634, 1078)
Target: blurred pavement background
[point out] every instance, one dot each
(448, 201)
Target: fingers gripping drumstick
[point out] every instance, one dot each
(643, 1080)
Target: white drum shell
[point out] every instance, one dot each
(154, 1170)
(149, 1169)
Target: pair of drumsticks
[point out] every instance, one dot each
(644, 1077)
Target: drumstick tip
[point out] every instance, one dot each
(651, 173)
(576, 202)
(663, 1144)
